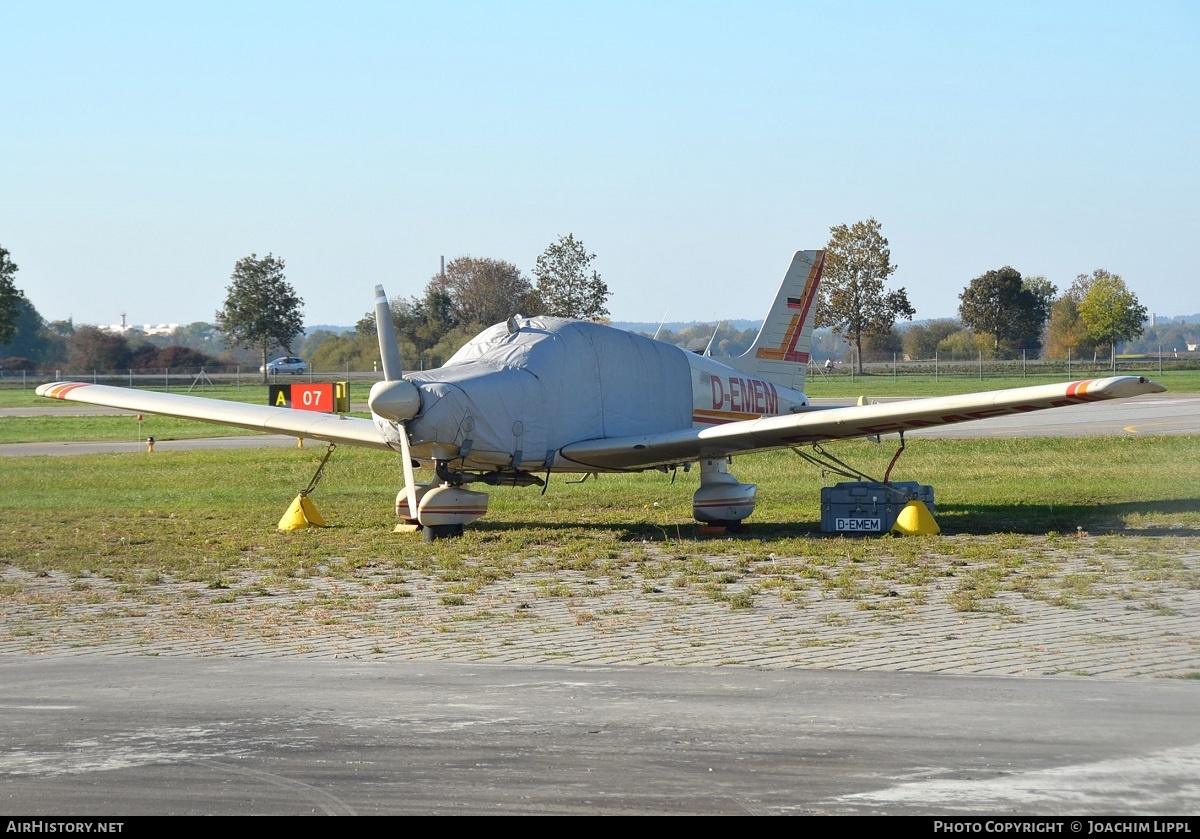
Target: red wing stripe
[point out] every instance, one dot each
(61, 391)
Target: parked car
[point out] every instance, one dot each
(287, 364)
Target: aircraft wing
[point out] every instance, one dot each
(827, 424)
(332, 428)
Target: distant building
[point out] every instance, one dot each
(123, 328)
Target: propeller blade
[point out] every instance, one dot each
(410, 481)
(389, 349)
(395, 398)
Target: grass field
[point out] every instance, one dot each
(53, 429)
(197, 515)
(178, 551)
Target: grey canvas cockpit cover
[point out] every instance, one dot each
(551, 383)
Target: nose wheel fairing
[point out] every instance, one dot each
(721, 498)
(442, 508)
(451, 506)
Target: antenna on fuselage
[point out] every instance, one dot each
(707, 350)
(658, 331)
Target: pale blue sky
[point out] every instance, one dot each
(146, 147)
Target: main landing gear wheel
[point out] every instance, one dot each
(433, 532)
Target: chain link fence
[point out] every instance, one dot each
(174, 379)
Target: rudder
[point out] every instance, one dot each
(780, 353)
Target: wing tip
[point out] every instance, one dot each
(58, 390)
(1121, 387)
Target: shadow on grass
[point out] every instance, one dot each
(1069, 518)
(646, 532)
(954, 519)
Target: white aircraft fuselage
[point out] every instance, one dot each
(722, 394)
(513, 397)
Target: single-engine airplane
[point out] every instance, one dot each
(535, 396)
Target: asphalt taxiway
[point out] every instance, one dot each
(112, 736)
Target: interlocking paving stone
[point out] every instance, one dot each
(1127, 628)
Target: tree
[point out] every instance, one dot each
(27, 339)
(921, 339)
(964, 344)
(350, 350)
(1111, 311)
(882, 346)
(1066, 333)
(853, 301)
(199, 336)
(90, 348)
(10, 298)
(425, 322)
(1067, 336)
(1042, 289)
(730, 341)
(483, 291)
(144, 357)
(261, 309)
(419, 323)
(177, 356)
(999, 302)
(1166, 337)
(564, 285)
(312, 342)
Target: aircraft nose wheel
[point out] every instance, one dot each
(433, 532)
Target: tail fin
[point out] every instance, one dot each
(780, 352)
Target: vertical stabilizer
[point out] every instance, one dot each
(780, 352)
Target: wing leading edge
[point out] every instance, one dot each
(823, 425)
(332, 428)
(642, 452)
